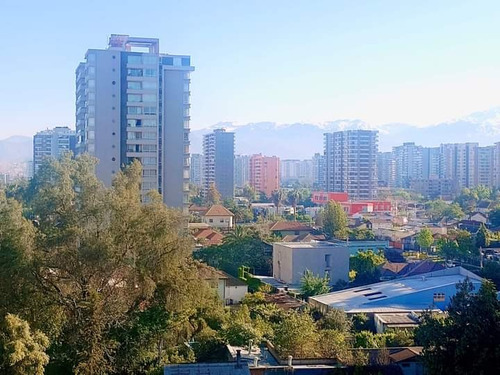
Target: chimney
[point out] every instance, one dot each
(290, 360)
(255, 361)
(250, 344)
(238, 358)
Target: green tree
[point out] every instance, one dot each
(336, 319)
(482, 237)
(277, 197)
(312, 285)
(335, 220)
(240, 328)
(425, 239)
(448, 249)
(366, 264)
(294, 196)
(494, 216)
(466, 340)
(213, 195)
(249, 193)
(22, 351)
(296, 336)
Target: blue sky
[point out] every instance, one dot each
(418, 62)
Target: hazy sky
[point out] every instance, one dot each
(418, 62)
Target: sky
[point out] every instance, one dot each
(285, 61)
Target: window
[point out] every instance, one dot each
(167, 61)
(134, 97)
(150, 73)
(90, 57)
(149, 148)
(150, 110)
(91, 134)
(134, 72)
(186, 61)
(134, 59)
(149, 85)
(149, 60)
(149, 135)
(134, 135)
(149, 172)
(439, 297)
(134, 110)
(149, 123)
(221, 220)
(91, 83)
(133, 123)
(134, 85)
(328, 260)
(149, 161)
(210, 220)
(91, 70)
(91, 96)
(149, 98)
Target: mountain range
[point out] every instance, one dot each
(302, 140)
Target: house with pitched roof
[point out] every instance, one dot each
(284, 228)
(219, 216)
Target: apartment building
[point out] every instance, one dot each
(218, 162)
(265, 173)
(132, 103)
(52, 143)
(196, 169)
(241, 170)
(407, 164)
(351, 162)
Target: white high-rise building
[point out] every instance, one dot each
(408, 164)
(132, 102)
(351, 162)
(52, 143)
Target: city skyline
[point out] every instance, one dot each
(386, 72)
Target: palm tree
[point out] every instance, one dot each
(277, 197)
(294, 196)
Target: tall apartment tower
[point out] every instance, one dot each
(218, 162)
(241, 170)
(486, 166)
(459, 162)
(431, 161)
(196, 169)
(132, 102)
(318, 165)
(52, 143)
(386, 169)
(408, 164)
(265, 173)
(351, 162)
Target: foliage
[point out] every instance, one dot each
(244, 246)
(213, 195)
(448, 248)
(425, 239)
(293, 197)
(439, 210)
(277, 197)
(494, 216)
(106, 277)
(312, 285)
(491, 271)
(361, 234)
(366, 265)
(249, 193)
(296, 336)
(22, 351)
(334, 344)
(240, 328)
(334, 220)
(466, 341)
(469, 198)
(336, 319)
(482, 237)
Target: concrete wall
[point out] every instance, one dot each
(219, 221)
(290, 263)
(235, 293)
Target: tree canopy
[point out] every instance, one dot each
(335, 220)
(312, 285)
(365, 265)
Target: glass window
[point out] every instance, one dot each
(90, 57)
(186, 61)
(133, 123)
(134, 85)
(91, 96)
(134, 110)
(148, 135)
(149, 98)
(150, 110)
(167, 61)
(91, 134)
(91, 70)
(134, 72)
(149, 123)
(149, 60)
(150, 73)
(134, 98)
(134, 59)
(149, 85)
(91, 121)
(91, 109)
(149, 148)
(148, 161)
(91, 83)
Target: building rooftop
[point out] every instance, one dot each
(218, 210)
(290, 226)
(207, 369)
(367, 298)
(310, 245)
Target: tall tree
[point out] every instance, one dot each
(249, 193)
(466, 340)
(425, 239)
(277, 197)
(213, 195)
(482, 237)
(365, 265)
(335, 220)
(294, 196)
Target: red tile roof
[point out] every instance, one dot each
(208, 236)
(218, 210)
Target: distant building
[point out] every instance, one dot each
(218, 216)
(292, 259)
(408, 164)
(52, 143)
(265, 173)
(459, 162)
(417, 293)
(132, 103)
(434, 188)
(385, 169)
(318, 165)
(218, 162)
(196, 172)
(431, 163)
(296, 171)
(241, 170)
(351, 162)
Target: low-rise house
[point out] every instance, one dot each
(390, 271)
(284, 228)
(292, 259)
(218, 216)
(478, 216)
(393, 321)
(417, 293)
(229, 289)
(207, 237)
(471, 226)
(306, 237)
